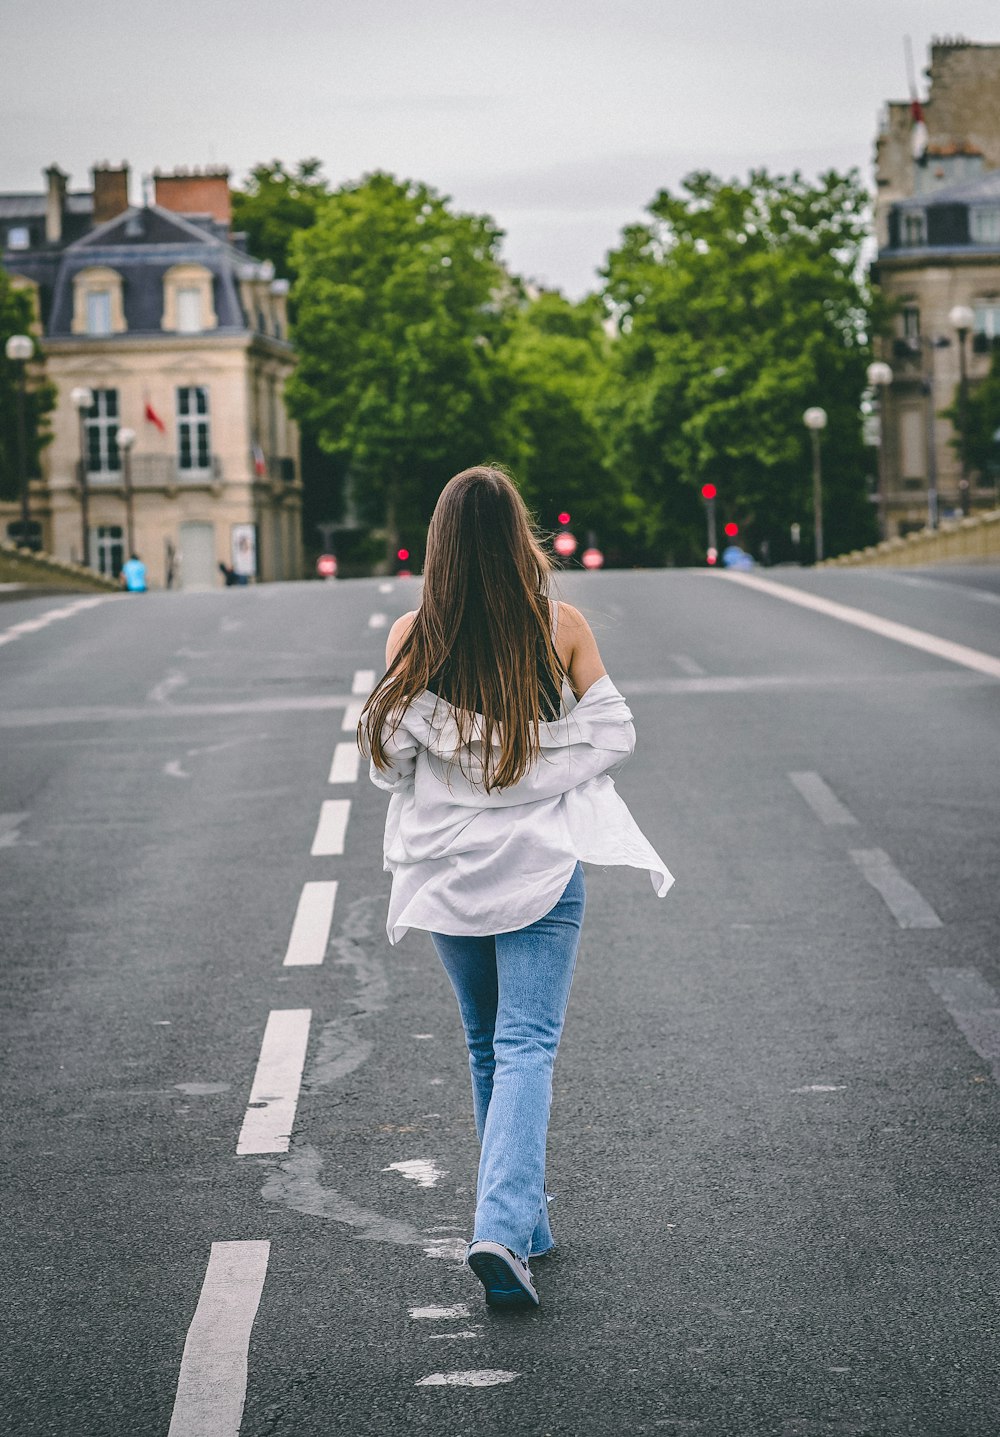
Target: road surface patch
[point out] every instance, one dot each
(821, 799)
(274, 1096)
(909, 908)
(212, 1385)
(310, 933)
(975, 1008)
(331, 828)
(887, 628)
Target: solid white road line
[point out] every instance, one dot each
(331, 828)
(352, 716)
(311, 929)
(909, 908)
(377, 621)
(51, 616)
(270, 1114)
(886, 628)
(364, 682)
(212, 1386)
(975, 1007)
(344, 768)
(822, 800)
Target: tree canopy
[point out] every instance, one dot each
(17, 317)
(739, 306)
(275, 205)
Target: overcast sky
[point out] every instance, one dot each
(561, 118)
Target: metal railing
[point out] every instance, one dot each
(157, 471)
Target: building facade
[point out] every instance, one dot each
(938, 229)
(181, 338)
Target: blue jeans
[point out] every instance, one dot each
(512, 991)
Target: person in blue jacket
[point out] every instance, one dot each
(134, 575)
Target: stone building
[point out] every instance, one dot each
(937, 222)
(182, 338)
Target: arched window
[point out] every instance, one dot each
(97, 302)
(188, 303)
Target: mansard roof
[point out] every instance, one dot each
(984, 189)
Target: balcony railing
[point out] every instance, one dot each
(158, 471)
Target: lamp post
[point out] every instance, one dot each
(19, 349)
(815, 421)
(126, 438)
(82, 398)
(961, 319)
(880, 377)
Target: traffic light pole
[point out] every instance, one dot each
(710, 516)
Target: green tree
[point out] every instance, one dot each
(401, 304)
(740, 305)
(275, 205)
(17, 317)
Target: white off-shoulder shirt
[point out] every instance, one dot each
(472, 863)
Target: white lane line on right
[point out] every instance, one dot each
(331, 828)
(346, 760)
(687, 665)
(885, 628)
(821, 799)
(909, 908)
(377, 621)
(212, 1385)
(352, 715)
(386, 588)
(486, 1377)
(975, 1007)
(274, 1096)
(310, 934)
(364, 682)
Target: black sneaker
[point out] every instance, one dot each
(505, 1277)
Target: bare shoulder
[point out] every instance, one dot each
(578, 649)
(397, 635)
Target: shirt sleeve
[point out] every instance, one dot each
(401, 751)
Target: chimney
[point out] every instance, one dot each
(55, 203)
(195, 192)
(110, 191)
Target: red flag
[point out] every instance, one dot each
(153, 418)
(259, 462)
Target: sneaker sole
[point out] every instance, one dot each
(502, 1286)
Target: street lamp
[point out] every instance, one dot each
(880, 377)
(815, 421)
(82, 399)
(19, 349)
(126, 438)
(961, 319)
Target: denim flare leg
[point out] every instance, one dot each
(512, 992)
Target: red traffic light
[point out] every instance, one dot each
(564, 517)
(732, 530)
(564, 544)
(402, 555)
(326, 566)
(592, 558)
(708, 491)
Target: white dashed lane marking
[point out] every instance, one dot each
(212, 1386)
(909, 908)
(352, 716)
(344, 768)
(10, 824)
(274, 1096)
(385, 588)
(364, 682)
(975, 1008)
(439, 1314)
(331, 828)
(311, 930)
(821, 799)
(378, 621)
(487, 1377)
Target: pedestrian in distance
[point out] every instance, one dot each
(496, 730)
(133, 575)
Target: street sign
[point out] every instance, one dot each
(592, 558)
(326, 566)
(564, 543)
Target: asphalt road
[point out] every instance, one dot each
(775, 1131)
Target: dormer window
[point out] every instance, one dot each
(188, 303)
(97, 302)
(19, 237)
(914, 228)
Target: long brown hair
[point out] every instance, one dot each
(483, 620)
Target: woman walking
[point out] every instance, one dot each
(496, 729)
